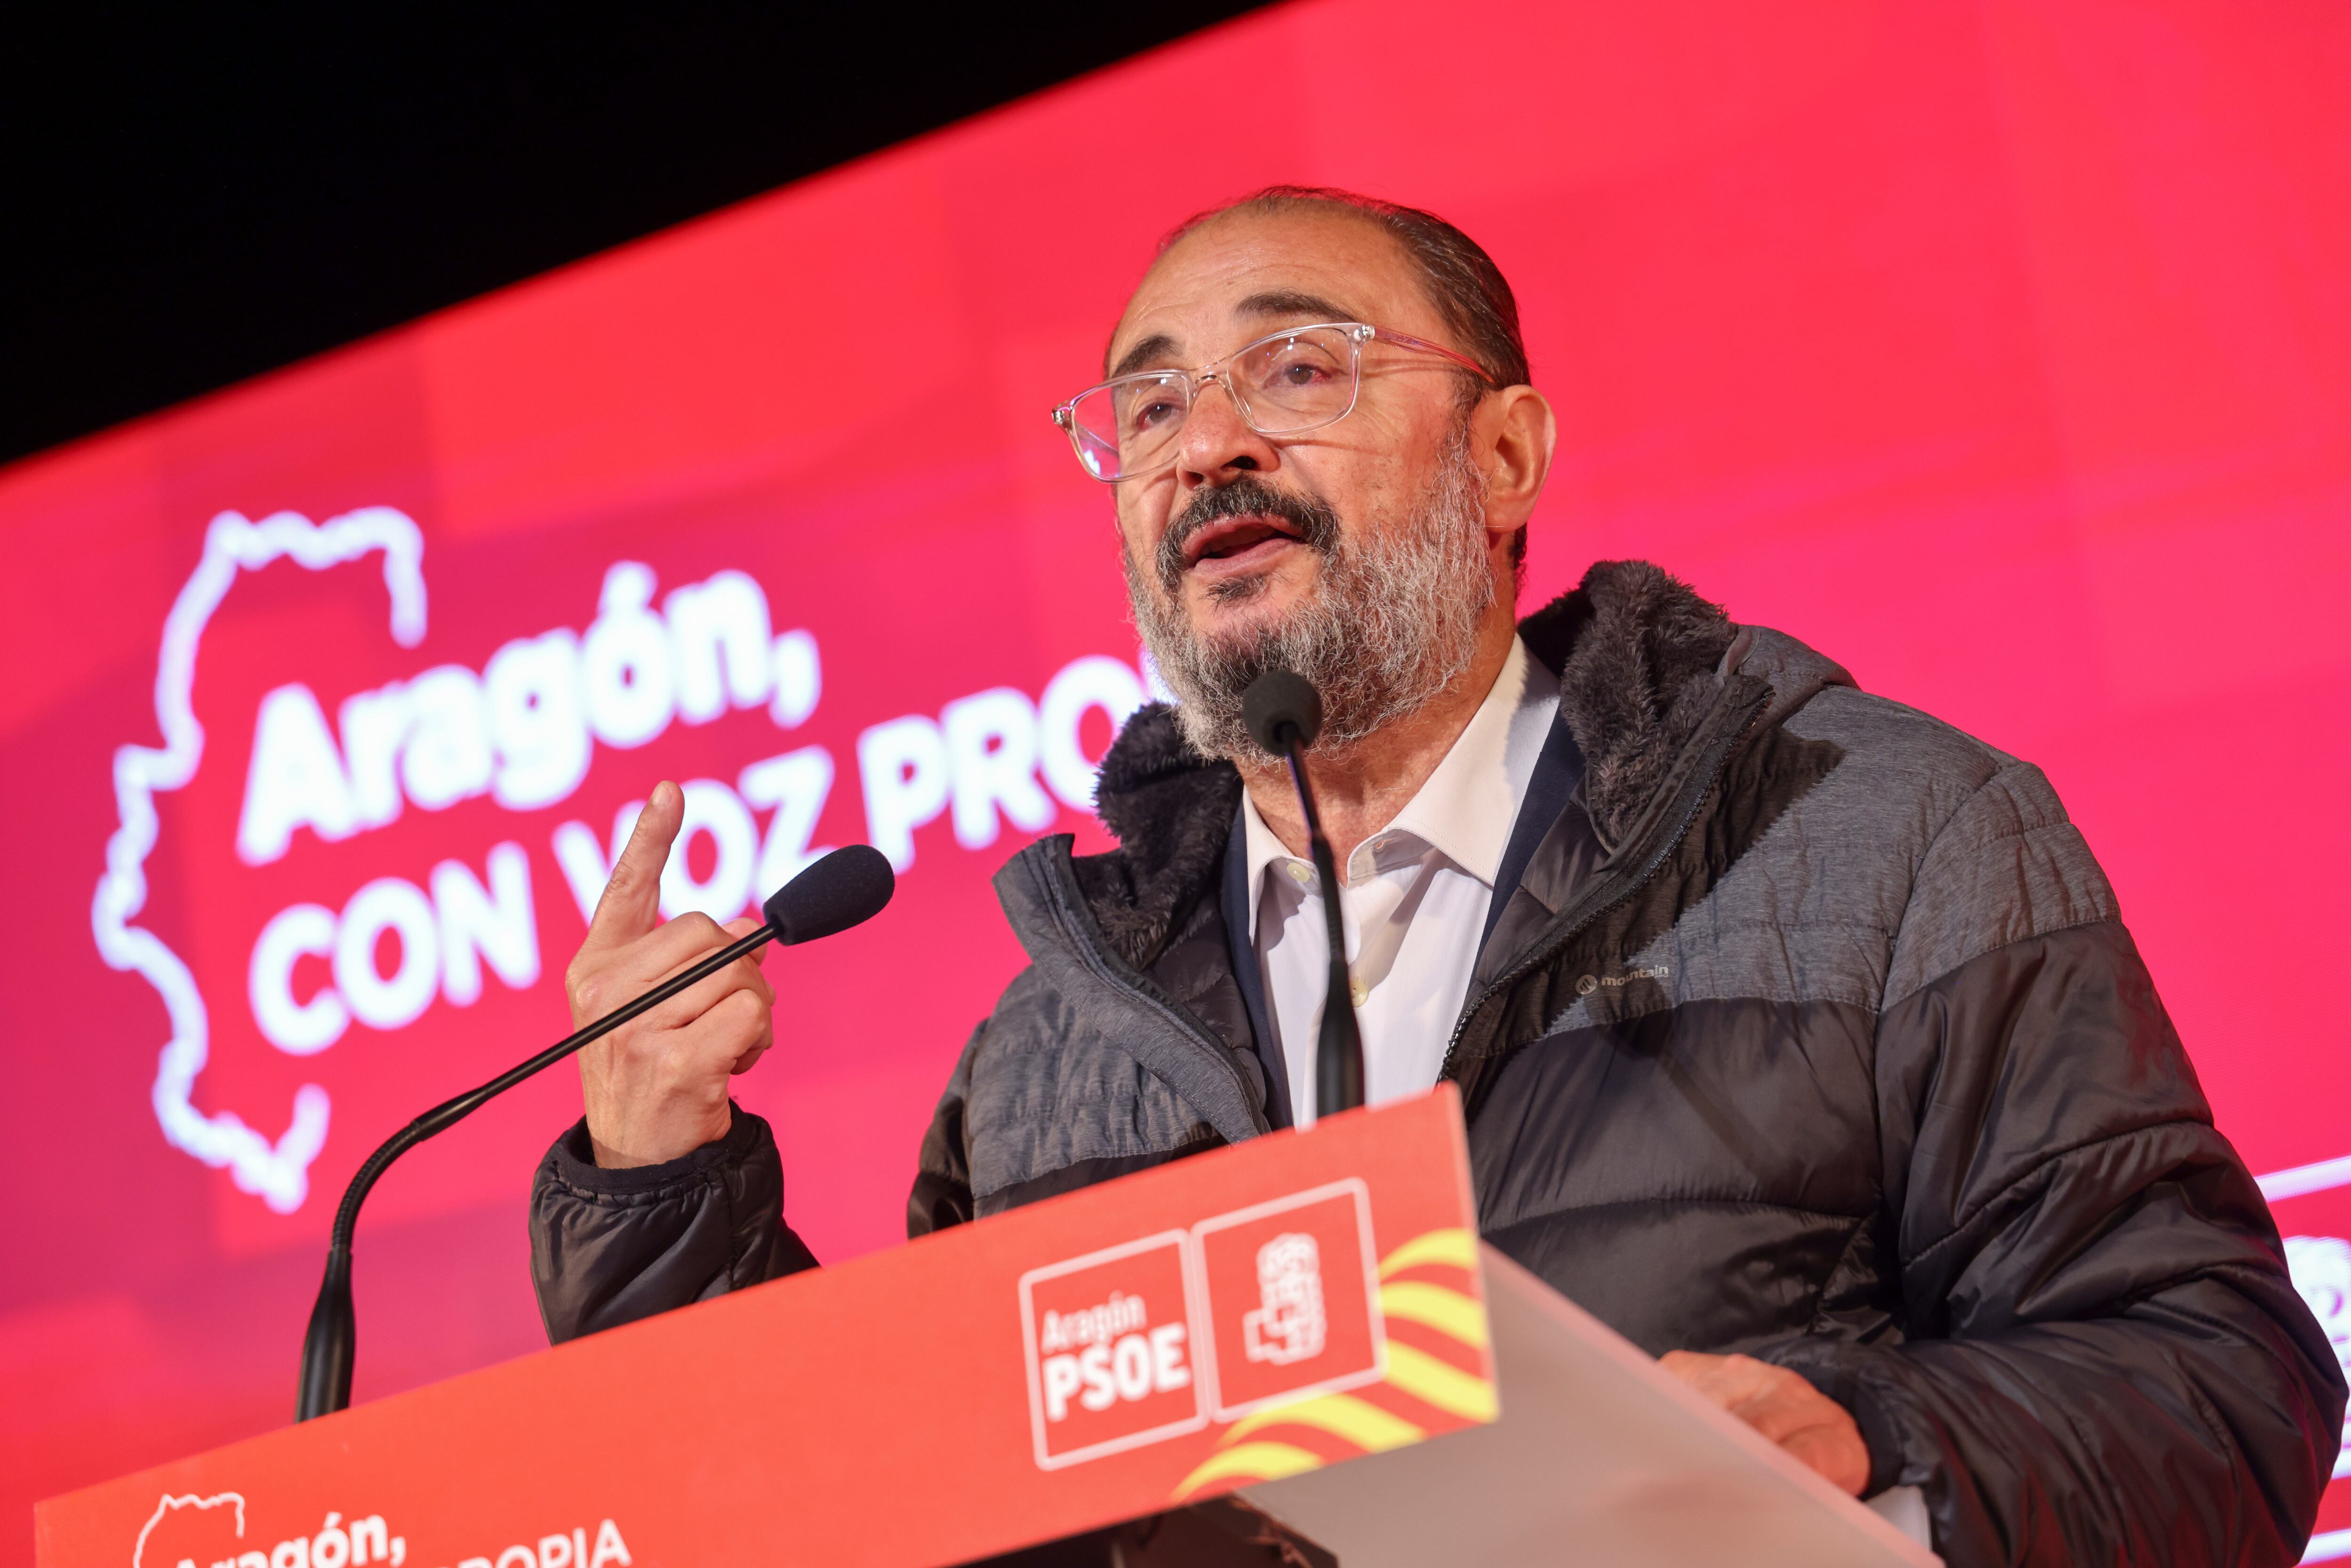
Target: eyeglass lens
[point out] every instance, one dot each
(1291, 382)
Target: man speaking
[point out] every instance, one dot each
(1799, 1036)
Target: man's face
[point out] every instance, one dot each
(1229, 565)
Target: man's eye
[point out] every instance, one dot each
(1295, 367)
(1153, 413)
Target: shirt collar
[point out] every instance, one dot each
(1465, 808)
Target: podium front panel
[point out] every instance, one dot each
(1245, 1315)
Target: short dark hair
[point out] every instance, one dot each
(1467, 290)
(1462, 281)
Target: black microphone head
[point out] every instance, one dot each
(1282, 699)
(846, 888)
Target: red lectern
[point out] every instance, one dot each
(1307, 1319)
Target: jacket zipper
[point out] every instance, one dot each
(1092, 957)
(1549, 946)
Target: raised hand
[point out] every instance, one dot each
(1781, 1404)
(656, 1087)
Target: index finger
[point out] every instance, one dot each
(630, 904)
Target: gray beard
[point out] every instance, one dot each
(1391, 622)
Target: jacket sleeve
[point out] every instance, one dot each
(608, 1248)
(2105, 1359)
(942, 1195)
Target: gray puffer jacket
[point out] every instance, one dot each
(1805, 1026)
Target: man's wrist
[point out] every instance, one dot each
(635, 1153)
(1836, 1376)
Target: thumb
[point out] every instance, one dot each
(631, 905)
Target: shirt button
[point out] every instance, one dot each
(1359, 991)
(1300, 874)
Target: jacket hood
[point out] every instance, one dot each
(1795, 673)
(1171, 810)
(1638, 654)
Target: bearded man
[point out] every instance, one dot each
(1797, 1033)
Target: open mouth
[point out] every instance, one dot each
(1237, 543)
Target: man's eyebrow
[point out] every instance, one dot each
(1292, 302)
(1270, 303)
(1157, 346)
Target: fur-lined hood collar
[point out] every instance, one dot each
(1638, 655)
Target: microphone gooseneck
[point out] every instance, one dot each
(846, 887)
(1284, 713)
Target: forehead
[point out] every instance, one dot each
(1207, 294)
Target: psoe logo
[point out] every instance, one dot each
(1109, 1350)
(1288, 1323)
(1290, 1299)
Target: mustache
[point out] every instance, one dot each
(1316, 520)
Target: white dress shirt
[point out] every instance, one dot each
(1412, 898)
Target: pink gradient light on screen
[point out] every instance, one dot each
(1996, 350)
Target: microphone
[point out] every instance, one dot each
(843, 889)
(1284, 713)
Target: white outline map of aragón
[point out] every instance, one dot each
(279, 1172)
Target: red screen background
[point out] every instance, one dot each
(1999, 349)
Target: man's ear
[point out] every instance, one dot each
(1518, 433)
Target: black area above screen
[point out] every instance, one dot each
(196, 196)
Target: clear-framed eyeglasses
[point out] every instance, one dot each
(1285, 384)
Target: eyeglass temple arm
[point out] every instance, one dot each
(1464, 360)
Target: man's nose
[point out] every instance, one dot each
(1218, 443)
